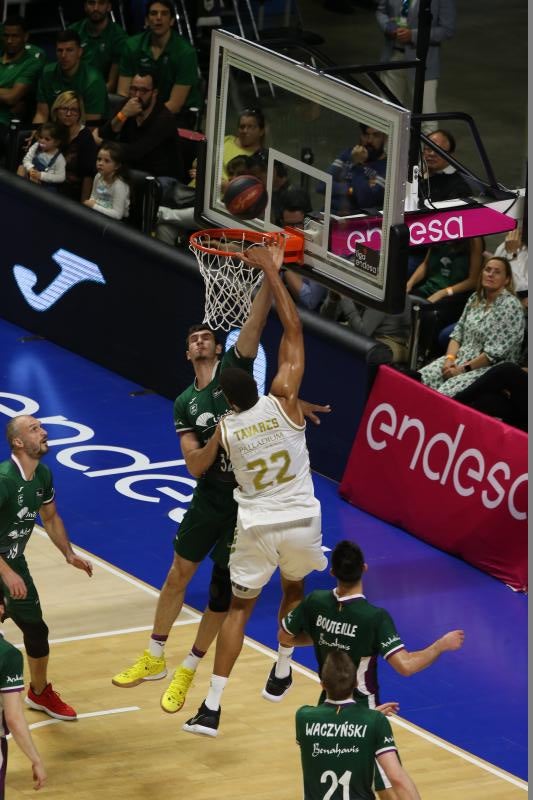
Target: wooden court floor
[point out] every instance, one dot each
(123, 747)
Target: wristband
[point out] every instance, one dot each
(467, 367)
(121, 117)
(450, 357)
(449, 291)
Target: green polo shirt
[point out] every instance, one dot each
(177, 64)
(25, 70)
(103, 50)
(87, 81)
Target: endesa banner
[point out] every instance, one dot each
(425, 228)
(447, 474)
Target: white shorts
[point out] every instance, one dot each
(295, 547)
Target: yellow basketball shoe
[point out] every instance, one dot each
(174, 697)
(146, 668)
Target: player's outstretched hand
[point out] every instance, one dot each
(310, 410)
(452, 640)
(80, 563)
(39, 775)
(268, 257)
(389, 708)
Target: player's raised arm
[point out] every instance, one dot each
(291, 357)
(248, 341)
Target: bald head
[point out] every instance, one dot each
(26, 435)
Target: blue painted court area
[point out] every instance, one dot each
(121, 487)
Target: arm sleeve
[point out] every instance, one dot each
(382, 15)
(388, 637)
(27, 161)
(364, 321)
(506, 330)
(458, 332)
(311, 294)
(11, 671)
(363, 193)
(56, 173)
(443, 24)
(181, 423)
(120, 196)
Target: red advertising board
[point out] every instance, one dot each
(444, 472)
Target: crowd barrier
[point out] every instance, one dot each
(107, 292)
(444, 472)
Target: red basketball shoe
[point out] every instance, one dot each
(51, 703)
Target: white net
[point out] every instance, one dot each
(229, 281)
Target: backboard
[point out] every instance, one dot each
(354, 242)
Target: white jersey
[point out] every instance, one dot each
(270, 460)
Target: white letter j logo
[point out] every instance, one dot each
(73, 270)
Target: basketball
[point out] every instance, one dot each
(245, 197)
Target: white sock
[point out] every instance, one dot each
(214, 694)
(157, 647)
(283, 664)
(191, 661)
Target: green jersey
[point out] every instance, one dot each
(11, 675)
(20, 501)
(351, 624)
(177, 64)
(87, 81)
(24, 70)
(339, 743)
(200, 411)
(104, 49)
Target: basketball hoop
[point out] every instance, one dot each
(229, 280)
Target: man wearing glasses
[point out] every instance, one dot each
(146, 129)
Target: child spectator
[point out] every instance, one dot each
(44, 162)
(111, 193)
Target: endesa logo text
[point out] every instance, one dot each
(138, 473)
(424, 229)
(442, 458)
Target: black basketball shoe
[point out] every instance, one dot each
(276, 688)
(204, 722)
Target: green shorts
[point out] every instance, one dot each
(209, 524)
(28, 609)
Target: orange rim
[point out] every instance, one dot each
(294, 242)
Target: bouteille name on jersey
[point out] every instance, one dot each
(332, 626)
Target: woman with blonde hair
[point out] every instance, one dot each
(491, 330)
(80, 151)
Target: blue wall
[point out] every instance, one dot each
(132, 299)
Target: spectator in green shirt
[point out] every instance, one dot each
(71, 73)
(19, 73)
(161, 52)
(102, 40)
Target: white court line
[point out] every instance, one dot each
(461, 753)
(304, 671)
(46, 722)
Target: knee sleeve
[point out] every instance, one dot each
(219, 589)
(244, 592)
(35, 638)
